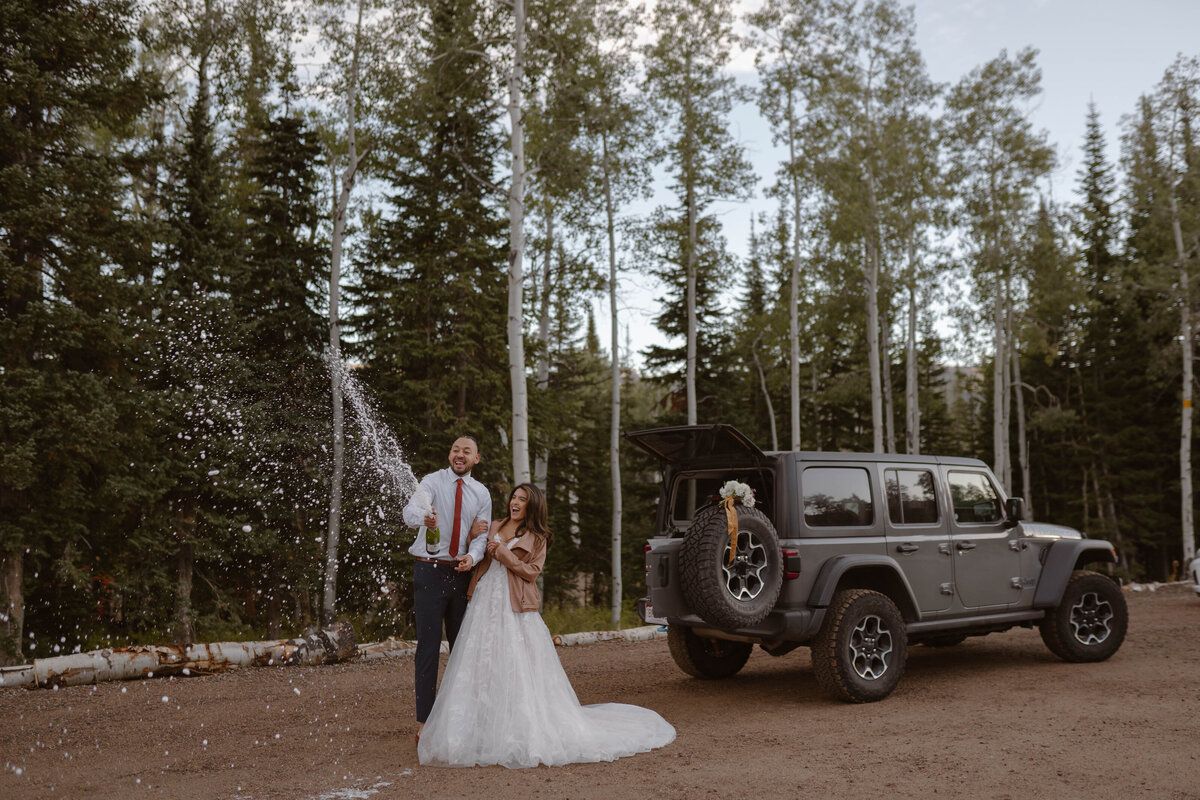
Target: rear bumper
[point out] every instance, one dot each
(780, 626)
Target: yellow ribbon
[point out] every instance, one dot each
(731, 523)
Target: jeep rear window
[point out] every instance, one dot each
(975, 499)
(911, 497)
(693, 492)
(837, 497)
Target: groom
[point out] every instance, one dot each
(461, 509)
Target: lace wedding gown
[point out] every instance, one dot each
(505, 699)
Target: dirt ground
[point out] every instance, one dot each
(995, 717)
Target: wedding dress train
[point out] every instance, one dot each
(506, 700)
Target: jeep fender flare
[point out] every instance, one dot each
(833, 569)
(1063, 558)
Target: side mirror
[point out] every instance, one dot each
(1014, 510)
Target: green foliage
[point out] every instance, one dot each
(562, 619)
(429, 299)
(163, 261)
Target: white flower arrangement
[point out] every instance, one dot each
(740, 491)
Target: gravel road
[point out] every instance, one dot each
(995, 717)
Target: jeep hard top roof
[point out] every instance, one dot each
(719, 444)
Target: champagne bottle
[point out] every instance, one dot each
(433, 540)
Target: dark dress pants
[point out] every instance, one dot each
(440, 598)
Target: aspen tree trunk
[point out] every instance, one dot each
(1087, 511)
(872, 287)
(614, 432)
(541, 463)
(1107, 514)
(1006, 368)
(912, 408)
(691, 309)
(794, 297)
(185, 627)
(1022, 436)
(762, 381)
(1185, 428)
(816, 409)
(12, 606)
(889, 404)
(353, 160)
(690, 178)
(998, 361)
(516, 253)
(1110, 506)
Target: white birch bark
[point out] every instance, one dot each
(912, 407)
(1022, 435)
(516, 253)
(541, 463)
(1006, 371)
(872, 290)
(12, 605)
(340, 207)
(614, 432)
(889, 404)
(1185, 428)
(794, 290)
(999, 464)
(762, 382)
(871, 271)
(691, 309)
(690, 179)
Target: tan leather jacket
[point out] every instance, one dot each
(523, 562)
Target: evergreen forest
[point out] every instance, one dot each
(206, 203)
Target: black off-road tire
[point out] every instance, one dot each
(701, 657)
(862, 647)
(1089, 622)
(737, 595)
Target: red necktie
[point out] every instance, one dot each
(457, 519)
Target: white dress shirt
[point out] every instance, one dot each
(441, 486)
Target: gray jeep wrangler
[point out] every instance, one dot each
(857, 556)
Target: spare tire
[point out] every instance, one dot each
(731, 595)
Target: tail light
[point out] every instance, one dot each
(791, 564)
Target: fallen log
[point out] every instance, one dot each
(642, 634)
(155, 661)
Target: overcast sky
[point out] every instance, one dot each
(1109, 51)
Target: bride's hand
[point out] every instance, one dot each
(491, 547)
(480, 527)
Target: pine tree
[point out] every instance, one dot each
(280, 332)
(429, 320)
(685, 69)
(67, 406)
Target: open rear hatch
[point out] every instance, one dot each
(699, 445)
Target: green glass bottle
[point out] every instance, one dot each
(433, 540)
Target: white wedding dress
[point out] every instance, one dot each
(505, 699)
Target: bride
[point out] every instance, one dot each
(504, 698)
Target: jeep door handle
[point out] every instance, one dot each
(907, 547)
(966, 545)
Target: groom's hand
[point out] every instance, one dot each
(465, 562)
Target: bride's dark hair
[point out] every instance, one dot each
(535, 512)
